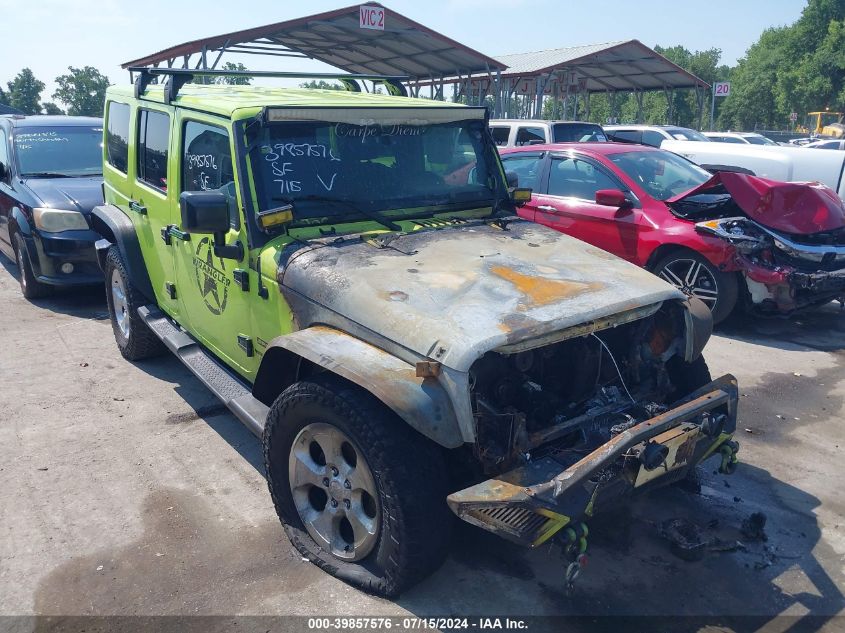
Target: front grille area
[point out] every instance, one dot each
(517, 522)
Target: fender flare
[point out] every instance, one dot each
(18, 219)
(423, 403)
(116, 228)
(698, 322)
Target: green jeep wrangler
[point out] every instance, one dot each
(346, 272)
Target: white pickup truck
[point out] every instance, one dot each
(788, 164)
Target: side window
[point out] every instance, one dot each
(526, 167)
(207, 163)
(632, 136)
(530, 136)
(153, 139)
(4, 153)
(650, 137)
(575, 178)
(117, 136)
(500, 135)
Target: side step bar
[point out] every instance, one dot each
(222, 382)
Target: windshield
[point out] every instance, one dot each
(60, 151)
(333, 172)
(759, 140)
(830, 117)
(686, 134)
(578, 133)
(661, 174)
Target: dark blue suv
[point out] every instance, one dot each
(50, 178)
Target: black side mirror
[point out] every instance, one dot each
(519, 196)
(4, 172)
(204, 211)
(208, 212)
(513, 179)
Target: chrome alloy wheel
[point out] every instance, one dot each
(334, 491)
(693, 278)
(118, 298)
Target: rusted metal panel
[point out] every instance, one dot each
(540, 484)
(421, 402)
(452, 295)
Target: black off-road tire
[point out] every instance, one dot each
(138, 342)
(687, 377)
(727, 285)
(408, 469)
(30, 286)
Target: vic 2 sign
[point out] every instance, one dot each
(722, 88)
(371, 17)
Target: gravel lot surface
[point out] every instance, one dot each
(127, 489)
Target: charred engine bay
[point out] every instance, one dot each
(573, 396)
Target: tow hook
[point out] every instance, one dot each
(573, 541)
(728, 451)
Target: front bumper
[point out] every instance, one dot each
(530, 504)
(48, 253)
(785, 289)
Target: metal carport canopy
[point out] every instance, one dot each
(616, 66)
(404, 47)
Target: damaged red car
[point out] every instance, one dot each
(729, 239)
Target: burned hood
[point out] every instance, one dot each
(453, 294)
(798, 208)
(74, 194)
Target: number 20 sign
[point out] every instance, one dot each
(722, 88)
(371, 17)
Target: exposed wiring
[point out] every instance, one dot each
(618, 371)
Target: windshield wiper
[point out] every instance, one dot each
(373, 215)
(45, 174)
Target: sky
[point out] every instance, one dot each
(50, 35)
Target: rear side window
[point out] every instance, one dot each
(632, 136)
(526, 167)
(650, 137)
(530, 136)
(500, 135)
(117, 136)
(578, 133)
(153, 139)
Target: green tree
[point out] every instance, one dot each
(322, 84)
(51, 108)
(25, 92)
(233, 80)
(797, 68)
(4, 98)
(83, 90)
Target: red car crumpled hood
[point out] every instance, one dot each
(800, 208)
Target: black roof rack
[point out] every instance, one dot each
(178, 77)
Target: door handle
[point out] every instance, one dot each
(171, 230)
(137, 207)
(178, 233)
(546, 207)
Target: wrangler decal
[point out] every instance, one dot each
(212, 281)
